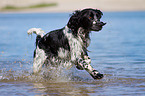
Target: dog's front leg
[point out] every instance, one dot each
(85, 64)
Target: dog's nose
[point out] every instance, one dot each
(101, 23)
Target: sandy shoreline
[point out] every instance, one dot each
(71, 5)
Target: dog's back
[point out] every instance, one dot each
(53, 41)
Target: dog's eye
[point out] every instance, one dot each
(90, 17)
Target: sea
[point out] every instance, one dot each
(117, 51)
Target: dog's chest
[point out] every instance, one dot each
(75, 47)
(75, 43)
(73, 54)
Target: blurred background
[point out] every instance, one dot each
(70, 5)
(117, 51)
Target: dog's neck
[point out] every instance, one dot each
(82, 35)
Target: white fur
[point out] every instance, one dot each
(37, 31)
(62, 53)
(75, 44)
(39, 60)
(94, 22)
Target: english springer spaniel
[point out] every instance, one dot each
(68, 46)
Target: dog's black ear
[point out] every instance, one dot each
(73, 23)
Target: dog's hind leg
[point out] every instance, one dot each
(39, 59)
(39, 54)
(85, 64)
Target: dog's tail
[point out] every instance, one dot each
(38, 31)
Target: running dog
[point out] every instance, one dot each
(68, 46)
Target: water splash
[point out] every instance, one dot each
(20, 72)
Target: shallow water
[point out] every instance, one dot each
(118, 51)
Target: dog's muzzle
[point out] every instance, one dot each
(99, 23)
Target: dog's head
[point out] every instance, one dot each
(88, 19)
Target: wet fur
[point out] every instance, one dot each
(68, 46)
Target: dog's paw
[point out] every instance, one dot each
(96, 75)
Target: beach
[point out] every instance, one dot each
(71, 5)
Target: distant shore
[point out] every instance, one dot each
(71, 5)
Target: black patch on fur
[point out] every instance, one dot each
(52, 41)
(38, 39)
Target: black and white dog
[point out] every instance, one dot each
(68, 46)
